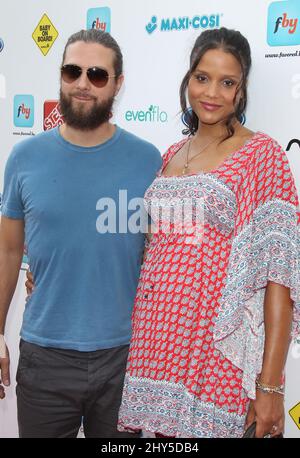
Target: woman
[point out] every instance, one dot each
(217, 294)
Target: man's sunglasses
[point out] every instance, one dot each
(97, 76)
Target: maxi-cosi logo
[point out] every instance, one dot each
(211, 21)
(153, 114)
(283, 23)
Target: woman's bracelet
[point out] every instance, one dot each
(269, 388)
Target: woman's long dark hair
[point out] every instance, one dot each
(230, 41)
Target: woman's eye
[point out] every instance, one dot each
(228, 83)
(200, 78)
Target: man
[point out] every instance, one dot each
(76, 324)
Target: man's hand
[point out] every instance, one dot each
(4, 367)
(11, 253)
(29, 283)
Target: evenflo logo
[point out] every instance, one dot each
(196, 22)
(153, 114)
(23, 110)
(99, 18)
(283, 23)
(25, 260)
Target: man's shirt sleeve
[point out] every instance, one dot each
(12, 205)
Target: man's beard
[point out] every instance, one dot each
(82, 119)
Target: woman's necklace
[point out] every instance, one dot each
(187, 161)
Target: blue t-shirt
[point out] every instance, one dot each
(85, 278)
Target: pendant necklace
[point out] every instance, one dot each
(187, 161)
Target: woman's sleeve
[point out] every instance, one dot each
(266, 247)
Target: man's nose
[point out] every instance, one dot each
(83, 82)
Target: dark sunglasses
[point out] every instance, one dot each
(96, 75)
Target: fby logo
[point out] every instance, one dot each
(23, 110)
(99, 18)
(283, 23)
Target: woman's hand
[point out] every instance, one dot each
(268, 412)
(29, 283)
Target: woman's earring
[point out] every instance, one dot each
(186, 116)
(242, 118)
(240, 107)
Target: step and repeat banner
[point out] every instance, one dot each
(156, 37)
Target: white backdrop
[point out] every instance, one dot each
(156, 38)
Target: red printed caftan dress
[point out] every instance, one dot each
(198, 331)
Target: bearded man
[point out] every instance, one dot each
(77, 322)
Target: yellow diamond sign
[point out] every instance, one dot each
(45, 34)
(295, 414)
